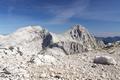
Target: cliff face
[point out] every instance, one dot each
(79, 34)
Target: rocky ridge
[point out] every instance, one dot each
(33, 53)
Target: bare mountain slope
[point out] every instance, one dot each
(33, 53)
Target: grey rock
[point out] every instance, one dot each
(76, 40)
(104, 60)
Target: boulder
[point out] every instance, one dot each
(106, 60)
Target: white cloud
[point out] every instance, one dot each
(107, 34)
(63, 13)
(80, 9)
(101, 15)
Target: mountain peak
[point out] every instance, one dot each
(78, 26)
(77, 29)
(77, 32)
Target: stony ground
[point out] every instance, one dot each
(78, 67)
(14, 66)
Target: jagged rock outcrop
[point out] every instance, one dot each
(33, 39)
(70, 47)
(76, 40)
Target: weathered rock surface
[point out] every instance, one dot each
(34, 39)
(76, 40)
(104, 60)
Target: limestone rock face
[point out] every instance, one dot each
(32, 39)
(70, 47)
(76, 40)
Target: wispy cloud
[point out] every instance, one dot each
(101, 15)
(63, 13)
(80, 9)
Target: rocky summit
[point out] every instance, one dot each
(34, 53)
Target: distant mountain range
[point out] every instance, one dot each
(109, 39)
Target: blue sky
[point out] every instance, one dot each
(101, 17)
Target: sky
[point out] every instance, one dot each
(100, 17)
